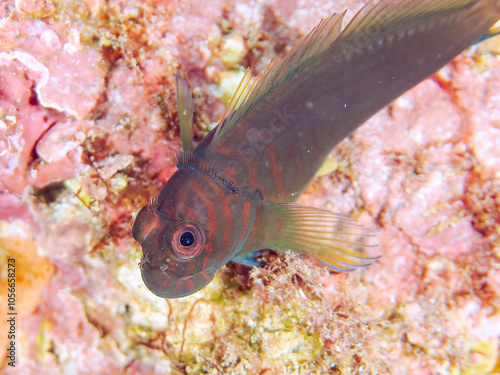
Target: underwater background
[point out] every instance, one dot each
(88, 131)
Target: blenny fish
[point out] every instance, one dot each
(233, 194)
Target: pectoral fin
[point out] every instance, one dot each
(337, 241)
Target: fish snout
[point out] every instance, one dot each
(145, 223)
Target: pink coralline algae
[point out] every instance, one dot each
(88, 130)
(31, 90)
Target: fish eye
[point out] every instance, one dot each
(187, 240)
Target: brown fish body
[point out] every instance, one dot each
(308, 109)
(231, 195)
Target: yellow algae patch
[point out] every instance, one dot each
(330, 165)
(75, 187)
(483, 358)
(493, 44)
(233, 50)
(228, 83)
(32, 273)
(43, 341)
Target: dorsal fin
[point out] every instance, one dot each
(376, 25)
(237, 99)
(380, 20)
(185, 110)
(251, 88)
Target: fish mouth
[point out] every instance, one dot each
(166, 286)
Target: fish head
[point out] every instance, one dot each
(194, 227)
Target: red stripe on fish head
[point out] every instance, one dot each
(245, 218)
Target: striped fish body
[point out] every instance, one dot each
(233, 194)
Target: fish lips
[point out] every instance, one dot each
(175, 287)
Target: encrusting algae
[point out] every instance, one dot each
(428, 306)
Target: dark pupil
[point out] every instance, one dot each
(187, 239)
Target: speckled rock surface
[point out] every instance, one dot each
(88, 130)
